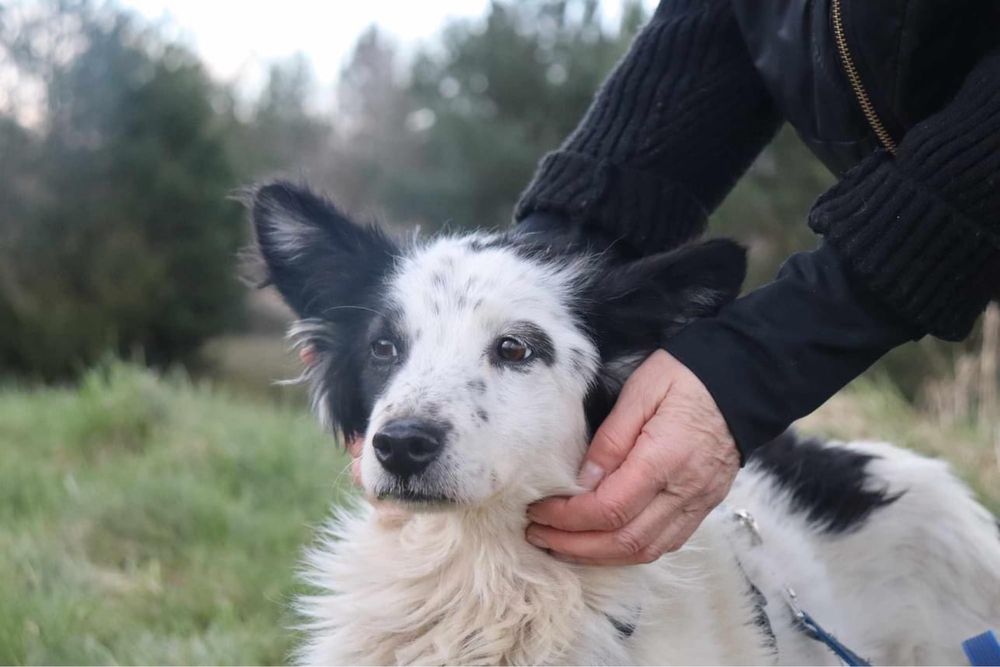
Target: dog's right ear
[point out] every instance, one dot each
(317, 258)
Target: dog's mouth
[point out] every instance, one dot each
(417, 498)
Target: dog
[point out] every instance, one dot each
(476, 367)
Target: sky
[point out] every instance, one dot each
(238, 40)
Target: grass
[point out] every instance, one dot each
(150, 520)
(160, 520)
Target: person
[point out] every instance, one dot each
(902, 100)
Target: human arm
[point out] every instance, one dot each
(912, 248)
(673, 127)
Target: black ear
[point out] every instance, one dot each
(637, 306)
(318, 259)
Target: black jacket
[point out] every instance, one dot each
(912, 231)
(855, 75)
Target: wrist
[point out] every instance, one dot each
(781, 351)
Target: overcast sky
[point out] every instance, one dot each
(237, 40)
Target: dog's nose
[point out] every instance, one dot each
(406, 446)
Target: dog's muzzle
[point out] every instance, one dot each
(405, 447)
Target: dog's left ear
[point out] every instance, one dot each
(323, 264)
(637, 306)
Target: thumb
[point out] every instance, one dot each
(637, 403)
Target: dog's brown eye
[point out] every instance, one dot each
(512, 349)
(384, 349)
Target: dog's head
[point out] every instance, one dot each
(475, 367)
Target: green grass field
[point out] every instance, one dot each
(148, 520)
(159, 520)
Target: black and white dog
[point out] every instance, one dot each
(477, 366)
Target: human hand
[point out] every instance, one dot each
(660, 462)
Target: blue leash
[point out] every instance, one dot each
(812, 629)
(806, 623)
(982, 650)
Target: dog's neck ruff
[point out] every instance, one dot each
(464, 587)
(475, 593)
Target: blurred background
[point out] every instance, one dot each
(156, 486)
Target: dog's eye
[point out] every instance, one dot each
(384, 349)
(513, 350)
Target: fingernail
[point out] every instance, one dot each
(590, 475)
(537, 541)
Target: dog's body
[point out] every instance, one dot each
(477, 367)
(903, 587)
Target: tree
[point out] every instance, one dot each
(281, 132)
(117, 235)
(457, 138)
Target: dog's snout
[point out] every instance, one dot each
(406, 446)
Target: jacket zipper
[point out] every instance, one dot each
(874, 122)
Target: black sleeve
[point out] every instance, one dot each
(922, 230)
(912, 246)
(673, 127)
(779, 352)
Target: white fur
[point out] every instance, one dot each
(460, 585)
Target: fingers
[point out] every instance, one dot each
(632, 542)
(671, 460)
(662, 528)
(624, 484)
(612, 505)
(615, 438)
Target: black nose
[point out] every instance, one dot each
(406, 446)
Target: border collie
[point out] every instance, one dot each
(477, 366)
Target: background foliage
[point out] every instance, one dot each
(157, 516)
(115, 233)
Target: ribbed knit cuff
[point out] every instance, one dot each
(624, 203)
(933, 265)
(923, 230)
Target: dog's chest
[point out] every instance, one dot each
(424, 594)
(395, 596)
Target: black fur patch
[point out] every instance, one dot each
(760, 617)
(318, 259)
(623, 628)
(827, 482)
(540, 342)
(634, 308)
(597, 405)
(331, 270)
